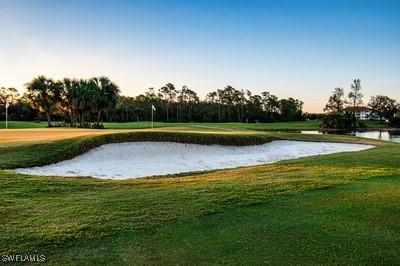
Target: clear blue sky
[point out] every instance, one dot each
(299, 48)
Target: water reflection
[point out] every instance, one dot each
(382, 135)
(312, 132)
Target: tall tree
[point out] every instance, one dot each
(66, 104)
(83, 92)
(355, 97)
(168, 92)
(239, 102)
(290, 109)
(10, 94)
(254, 108)
(105, 95)
(171, 98)
(336, 101)
(44, 94)
(192, 99)
(151, 94)
(383, 106)
(270, 105)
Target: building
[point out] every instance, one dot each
(362, 112)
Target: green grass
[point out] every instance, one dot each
(332, 209)
(376, 124)
(301, 125)
(275, 126)
(351, 224)
(22, 124)
(136, 125)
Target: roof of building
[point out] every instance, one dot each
(358, 108)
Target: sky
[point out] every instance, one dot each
(291, 48)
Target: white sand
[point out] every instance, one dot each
(140, 159)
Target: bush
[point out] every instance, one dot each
(97, 126)
(59, 124)
(394, 122)
(337, 121)
(88, 125)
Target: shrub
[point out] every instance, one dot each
(59, 124)
(97, 126)
(394, 122)
(337, 121)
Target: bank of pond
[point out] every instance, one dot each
(387, 135)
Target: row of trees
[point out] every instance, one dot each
(88, 102)
(75, 101)
(85, 102)
(223, 105)
(340, 116)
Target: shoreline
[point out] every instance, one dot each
(389, 129)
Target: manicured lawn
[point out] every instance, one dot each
(22, 124)
(350, 224)
(301, 125)
(333, 209)
(135, 125)
(376, 124)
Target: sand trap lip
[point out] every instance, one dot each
(141, 159)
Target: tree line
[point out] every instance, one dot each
(340, 116)
(76, 102)
(89, 102)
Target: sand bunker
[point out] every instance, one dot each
(140, 159)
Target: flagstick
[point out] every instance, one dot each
(6, 114)
(152, 111)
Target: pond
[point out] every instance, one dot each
(141, 159)
(382, 135)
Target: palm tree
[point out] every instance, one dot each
(44, 94)
(82, 95)
(105, 95)
(66, 99)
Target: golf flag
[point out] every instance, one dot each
(153, 108)
(7, 105)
